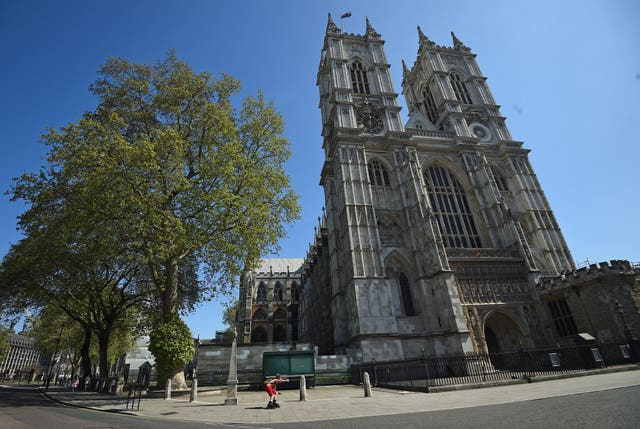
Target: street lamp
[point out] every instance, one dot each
(195, 364)
(48, 380)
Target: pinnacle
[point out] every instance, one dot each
(370, 30)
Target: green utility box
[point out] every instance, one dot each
(291, 365)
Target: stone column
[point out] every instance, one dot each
(232, 381)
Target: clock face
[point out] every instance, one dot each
(370, 121)
(480, 131)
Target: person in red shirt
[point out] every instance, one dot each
(271, 387)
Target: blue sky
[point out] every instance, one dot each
(567, 74)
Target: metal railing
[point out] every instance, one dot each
(423, 372)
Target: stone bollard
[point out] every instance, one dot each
(367, 385)
(194, 390)
(167, 389)
(303, 388)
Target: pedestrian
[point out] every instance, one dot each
(74, 383)
(271, 389)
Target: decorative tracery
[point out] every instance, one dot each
(430, 105)
(378, 175)
(449, 203)
(359, 79)
(459, 88)
(261, 295)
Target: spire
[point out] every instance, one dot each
(457, 44)
(405, 69)
(331, 26)
(371, 33)
(424, 39)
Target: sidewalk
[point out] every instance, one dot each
(343, 401)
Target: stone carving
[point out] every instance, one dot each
(389, 230)
(369, 117)
(493, 282)
(477, 115)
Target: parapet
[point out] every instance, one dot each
(574, 277)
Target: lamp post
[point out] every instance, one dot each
(194, 376)
(48, 380)
(195, 364)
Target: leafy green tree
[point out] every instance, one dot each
(172, 345)
(4, 343)
(195, 176)
(170, 175)
(229, 318)
(58, 268)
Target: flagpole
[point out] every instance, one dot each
(342, 17)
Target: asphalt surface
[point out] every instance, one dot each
(604, 399)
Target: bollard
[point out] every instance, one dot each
(303, 388)
(167, 390)
(194, 390)
(367, 385)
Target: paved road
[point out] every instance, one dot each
(615, 408)
(604, 407)
(26, 408)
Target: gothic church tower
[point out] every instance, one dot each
(437, 230)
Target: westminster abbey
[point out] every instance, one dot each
(436, 237)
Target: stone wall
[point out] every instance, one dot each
(602, 298)
(213, 364)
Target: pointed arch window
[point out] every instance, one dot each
(405, 294)
(359, 79)
(279, 314)
(259, 314)
(378, 175)
(459, 88)
(449, 203)
(278, 292)
(295, 292)
(261, 295)
(430, 105)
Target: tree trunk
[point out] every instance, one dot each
(84, 353)
(170, 292)
(178, 382)
(103, 351)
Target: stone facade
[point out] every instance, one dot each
(268, 304)
(601, 299)
(437, 235)
(22, 359)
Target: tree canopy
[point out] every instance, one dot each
(159, 197)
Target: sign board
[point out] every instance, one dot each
(290, 364)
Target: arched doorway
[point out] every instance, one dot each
(502, 335)
(259, 335)
(279, 334)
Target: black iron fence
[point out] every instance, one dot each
(424, 372)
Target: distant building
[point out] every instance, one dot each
(22, 359)
(268, 302)
(139, 356)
